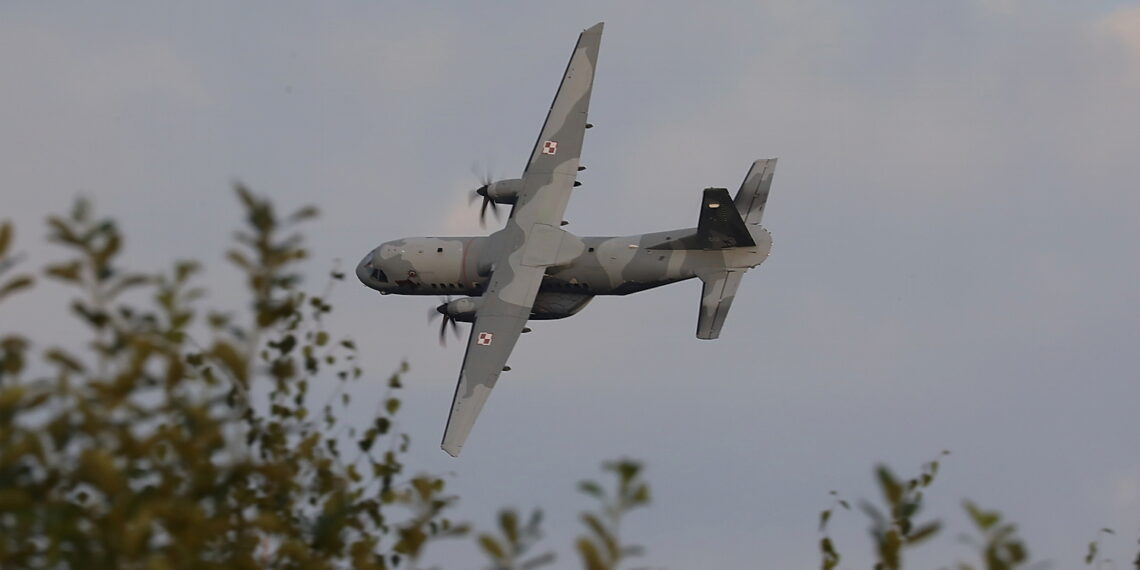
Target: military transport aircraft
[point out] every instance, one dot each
(532, 269)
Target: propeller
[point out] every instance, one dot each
(485, 180)
(435, 312)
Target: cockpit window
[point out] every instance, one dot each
(378, 275)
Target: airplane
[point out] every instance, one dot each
(532, 269)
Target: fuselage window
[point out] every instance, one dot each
(378, 275)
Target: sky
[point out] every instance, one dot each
(954, 217)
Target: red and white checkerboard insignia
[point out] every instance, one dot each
(484, 338)
(549, 147)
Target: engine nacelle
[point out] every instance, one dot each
(461, 309)
(505, 191)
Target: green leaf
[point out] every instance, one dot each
(824, 516)
(830, 556)
(305, 213)
(1091, 556)
(232, 359)
(492, 547)
(322, 338)
(104, 254)
(626, 469)
(16, 284)
(287, 344)
(923, 532)
(10, 397)
(184, 269)
(65, 271)
(603, 534)
(1016, 553)
(392, 405)
(509, 522)
(640, 496)
(5, 237)
(239, 259)
(126, 282)
(590, 556)
(60, 357)
(892, 490)
(591, 488)
(63, 233)
(982, 519)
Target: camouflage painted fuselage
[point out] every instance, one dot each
(606, 266)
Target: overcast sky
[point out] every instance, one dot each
(955, 218)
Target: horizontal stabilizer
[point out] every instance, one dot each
(753, 193)
(716, 299)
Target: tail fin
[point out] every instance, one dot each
(719, 227)
(753, 193)
(724, 224)
(716, 299)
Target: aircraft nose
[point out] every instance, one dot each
(363, 269)
(368, 273)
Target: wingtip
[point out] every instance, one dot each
(452, 449)
(595, 28)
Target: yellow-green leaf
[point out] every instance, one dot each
(492, 547)
(63, 359)
(590, 556)
(14, 285)
(233, 360)
(5, 237)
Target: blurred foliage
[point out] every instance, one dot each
(601, 547)
(998, 545)
(894, 529)
(508, 550)
(186, 436)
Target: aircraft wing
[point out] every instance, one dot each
(553, 164)
(494, 333)
(530, 242)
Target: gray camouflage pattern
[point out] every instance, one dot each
(532, 269)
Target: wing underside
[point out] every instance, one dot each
(488, 347)
(530, 242)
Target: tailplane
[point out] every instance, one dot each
(726, 224)
(753, 193)
(716, 299)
